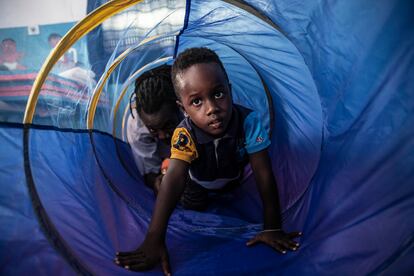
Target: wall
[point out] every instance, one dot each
(23, 13)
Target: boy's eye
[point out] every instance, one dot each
(196, 102)
(151, 130)
(218, 95)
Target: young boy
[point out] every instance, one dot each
(210, 144)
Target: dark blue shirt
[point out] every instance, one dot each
(216, 161)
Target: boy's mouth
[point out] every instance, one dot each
(217, 123)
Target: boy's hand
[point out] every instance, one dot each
(153, 250)
(148, 255)
(278, 239)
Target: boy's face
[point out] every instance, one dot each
(206, 97)
(162, 123)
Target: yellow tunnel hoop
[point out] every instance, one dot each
(72, 36)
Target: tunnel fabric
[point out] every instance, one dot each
(343, 151)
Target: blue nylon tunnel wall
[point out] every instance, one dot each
(342, 149)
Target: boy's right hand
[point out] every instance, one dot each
(145, 257)
(153, 249)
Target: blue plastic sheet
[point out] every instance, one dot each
(339, 74)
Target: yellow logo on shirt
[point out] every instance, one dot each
(182, 146)
(182, 142)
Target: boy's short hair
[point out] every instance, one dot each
(192, 56)
(153, 89)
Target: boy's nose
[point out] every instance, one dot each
(211, 108)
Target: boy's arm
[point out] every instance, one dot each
(273, 234)
(266, 185)
(153, 249)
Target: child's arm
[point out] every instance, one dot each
(273, 234)
(153, 249)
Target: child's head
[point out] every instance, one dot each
(8, 45)
(203, 89)
(53, 39)
(156, 102)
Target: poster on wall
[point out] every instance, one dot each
(23, 50)
(26, 48)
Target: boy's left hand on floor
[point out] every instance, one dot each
(278, 240)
